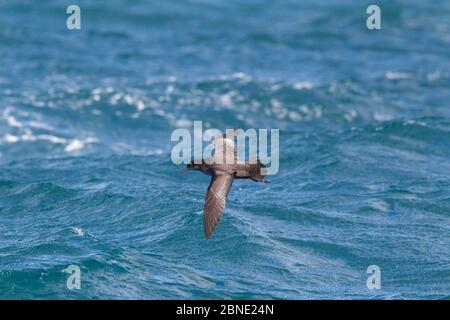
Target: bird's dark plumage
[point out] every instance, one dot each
(215, 200)
(223, 175)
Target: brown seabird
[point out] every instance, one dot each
(223, 174)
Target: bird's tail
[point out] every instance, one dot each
(257, 172)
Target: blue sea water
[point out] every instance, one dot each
(86, 177)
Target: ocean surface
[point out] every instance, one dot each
(86, 177)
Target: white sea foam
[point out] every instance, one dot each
(351, 115)
(294, 116)
(10, 119)
(78, 231)
(227, 99)
(124, 148)
(378, 116)
(26, 120)
(10, 138)
(170, 89)
(52, 139)
(304, 85)
(71, 145)
(77, 144)
(39, 125)
(380, 205)
(74, 145)
(414, 122)
(398, 75)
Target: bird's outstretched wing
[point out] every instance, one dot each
(215, 201)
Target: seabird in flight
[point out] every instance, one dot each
(223, 172)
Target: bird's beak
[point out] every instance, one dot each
(185, 170)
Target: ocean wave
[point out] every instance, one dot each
(86, 177)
